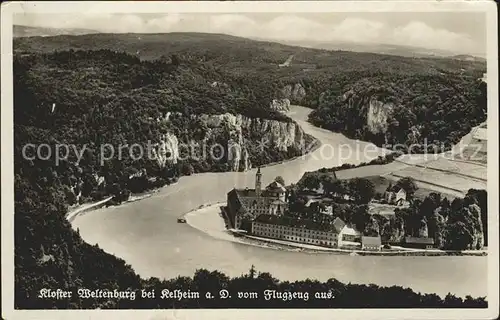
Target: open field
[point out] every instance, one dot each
(473, 146)
(478, 153)
(439, 178)
(385, 210)
(466, 169)
(382, 182)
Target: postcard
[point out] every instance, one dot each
(286, 159)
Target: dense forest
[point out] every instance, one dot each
(393, 109)
(84, 99)
(456, 224)
(88, 99)
(95, 89)
(261, 290)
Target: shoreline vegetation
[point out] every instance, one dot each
(81, 92)
(288, 245)
(269, 243)
(85, 207)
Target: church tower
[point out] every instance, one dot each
(258, 182)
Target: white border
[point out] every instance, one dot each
(8, 9)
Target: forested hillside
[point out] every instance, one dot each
(86, 91)
(87, 99)
(391, 109)
(453, 224)
(380, 98)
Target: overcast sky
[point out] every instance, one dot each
(458, 32)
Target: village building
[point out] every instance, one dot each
(328, 210)
(305, 231)
(349, 235)
(262, 213)
(371, 243)
(419, 242)
(247, 204)
(289, 229)
(396, 196)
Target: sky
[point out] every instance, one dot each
(458, 32)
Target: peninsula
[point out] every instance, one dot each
(350, 215)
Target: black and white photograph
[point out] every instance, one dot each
(300, 159)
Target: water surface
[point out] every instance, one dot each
(146, 235)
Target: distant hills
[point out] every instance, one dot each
(468, 57)
(26, 31)
(404, 51)
(398, 50)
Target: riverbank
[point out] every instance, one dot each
(91, 206)
(86, 207)
(208, 219)
(312, 148)
(147, 236)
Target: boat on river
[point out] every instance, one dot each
(237, 232)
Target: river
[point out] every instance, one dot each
(146, 235)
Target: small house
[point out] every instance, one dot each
(328, 210)
(371, 243)
(276, 189)
(346, 234)
(419, 242)
(349, 235)
(396, 196)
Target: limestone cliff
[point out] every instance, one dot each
(294, 92)
(167, 150)
(371, 114)
(242, 138)
(281, 105)
(377, 115)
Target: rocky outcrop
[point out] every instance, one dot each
(294, 92)
(377, 116)
(241, 137)
(167, 150)
(281, 105)
(478, 234)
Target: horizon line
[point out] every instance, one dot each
(444, 53)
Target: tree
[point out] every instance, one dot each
(252, 272)
(362, 189)
(187, 169)
(458, 236)
(423, 231)
(372, 228)
(481, 197)
(360, 217)
(310, 181)
(407, 184)
(280, 180)
(332, 186)
(175, 60)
